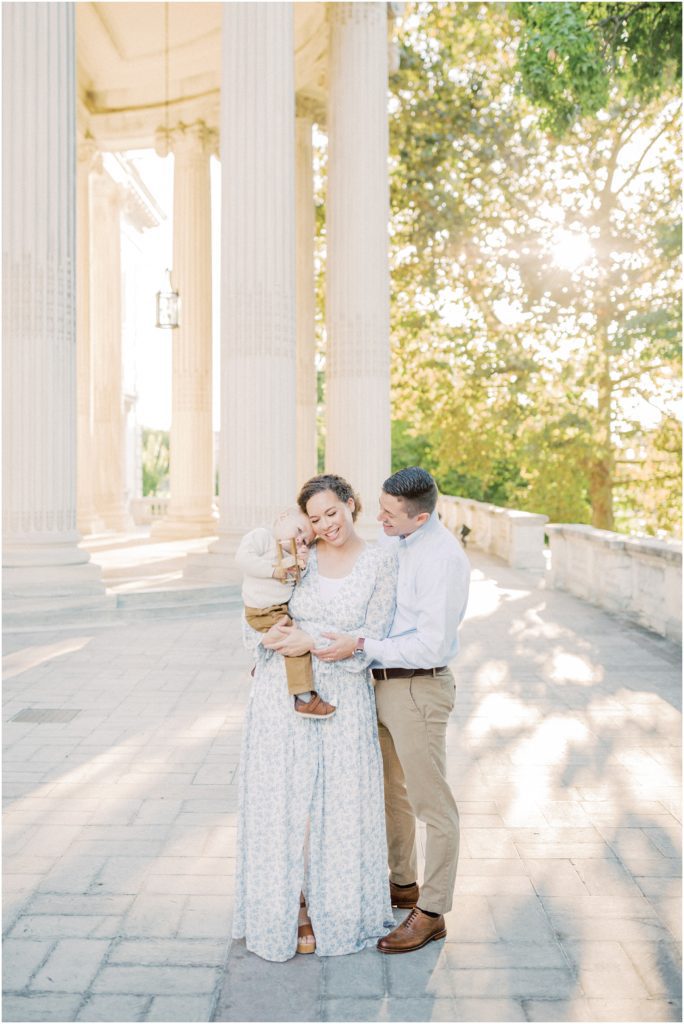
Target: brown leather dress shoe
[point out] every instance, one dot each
(404, 897)
(415, 932)
(316, 707)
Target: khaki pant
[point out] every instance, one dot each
(297, 669)
(412, 715)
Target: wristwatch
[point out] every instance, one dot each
(358, 650)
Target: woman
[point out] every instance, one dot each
(311, 819)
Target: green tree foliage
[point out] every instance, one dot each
(155, 462)
(572, 55)
(535, 311)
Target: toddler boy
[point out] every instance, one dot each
(272, 561)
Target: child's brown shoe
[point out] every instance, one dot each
(314, 708)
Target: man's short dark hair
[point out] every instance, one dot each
(415, 487)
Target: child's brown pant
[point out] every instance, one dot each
(298, 668)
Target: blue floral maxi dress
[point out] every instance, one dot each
(298, 773)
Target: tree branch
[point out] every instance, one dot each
(639, 372)
(651, 144)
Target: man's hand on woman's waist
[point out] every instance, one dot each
(343, 646)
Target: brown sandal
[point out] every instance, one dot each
(306, 940)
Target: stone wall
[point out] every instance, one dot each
(516, 537)
(640, 578)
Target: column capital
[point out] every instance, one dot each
(194, 138)
(88, 154)
(105, 187)
(307, 108)
(352, 11)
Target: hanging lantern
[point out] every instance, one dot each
(168, 304)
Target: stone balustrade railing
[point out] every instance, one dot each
(516, 537)
(637, 577)
(148, 510)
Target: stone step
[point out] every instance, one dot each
(22, 614)
(216, 568)
(184, 594)
(117, 609)
(170, 611)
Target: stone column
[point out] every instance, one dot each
(105, 329)
(357, 293)
(192, 454)
(307, 455)
(87, 519)
(44, 569)
(257, 472)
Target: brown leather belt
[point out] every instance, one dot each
(404, 673)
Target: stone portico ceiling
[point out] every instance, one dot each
(121, 66)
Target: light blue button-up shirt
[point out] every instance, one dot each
(432, 595)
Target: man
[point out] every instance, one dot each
(415, 693)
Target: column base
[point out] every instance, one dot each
(117, 520)
(181, 528)
(49, 577)
(90, 524)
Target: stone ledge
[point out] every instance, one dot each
(639, 578)
(670, 551)
(512, 534)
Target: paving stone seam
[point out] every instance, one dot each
(555, 932)
(166, 963)
(13, 920)
(528, 1001)
(87, 998)
(321, 992)
(216, 994)
(103, 963)
(566, 956)
(639, 967)
(116, 992)
(39, 967)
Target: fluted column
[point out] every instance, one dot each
(43, 566)
(191, 447)
(307, 456)
(87, 518)
(257, 472)
(105, 328)
(257, 265)
(357, 287)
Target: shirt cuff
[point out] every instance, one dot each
(373, 649)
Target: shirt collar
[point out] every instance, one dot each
(427, 527)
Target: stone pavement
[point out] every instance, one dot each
(120, 828)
